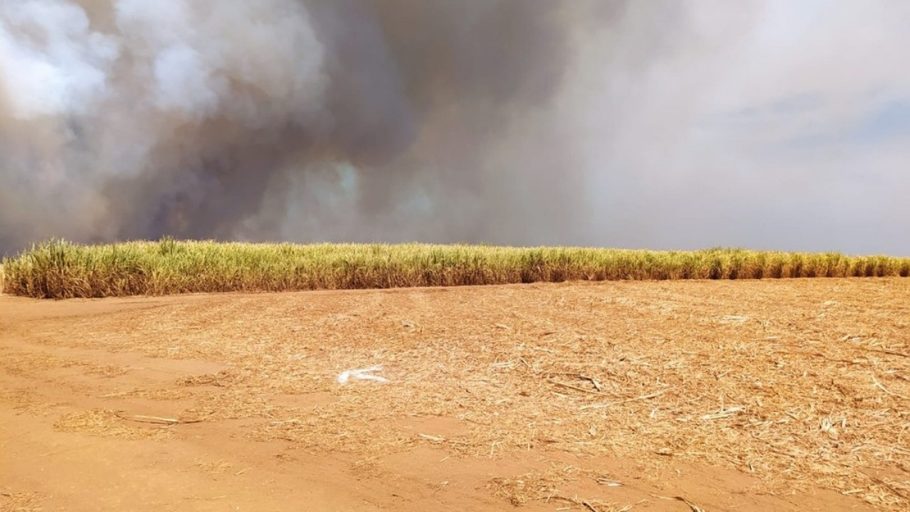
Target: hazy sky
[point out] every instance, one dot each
(781, 124)
(648, 124)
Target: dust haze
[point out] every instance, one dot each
(591, 122)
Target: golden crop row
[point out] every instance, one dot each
(59, 269)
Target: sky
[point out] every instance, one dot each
(764, 124)
(773, 124)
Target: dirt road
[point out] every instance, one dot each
(762, 395)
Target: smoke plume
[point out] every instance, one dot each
(285, 119)
(663, 124)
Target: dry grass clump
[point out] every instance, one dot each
(59, 269)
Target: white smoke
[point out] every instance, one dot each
(51, 62)
(225, 57)
(84, 101)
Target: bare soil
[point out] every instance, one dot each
(684, 395)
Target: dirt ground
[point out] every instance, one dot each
(686, 396)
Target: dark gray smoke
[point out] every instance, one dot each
(287, 119)
(658, 123)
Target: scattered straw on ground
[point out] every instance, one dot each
(802, 384)
(108, 423)
(11, 501)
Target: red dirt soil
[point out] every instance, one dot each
(685, 395)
